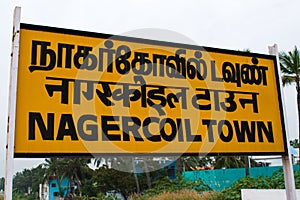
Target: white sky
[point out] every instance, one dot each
(252, 24)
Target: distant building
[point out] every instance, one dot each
(265, 161)
(52, 190)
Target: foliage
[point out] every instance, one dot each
(2, 183)
(290, 68)
(217, 162)
(229, 162)
(107, 179)
(28, 179)
(89, 188)
(234, 192)
(212, 195)
(163, 185)
(290, 65)
(276, 181)
(75, 169)
(22, 197)
(130, 164)
(100, 196)
(195, 162)
(295, 143)
(181, 194)
(177, 195)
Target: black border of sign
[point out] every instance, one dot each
(158, 43)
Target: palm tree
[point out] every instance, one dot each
(229, 162)
(138, 190)
(290, 68)
(53, 169)
(73, 168)
(121, 163)
(70, 168)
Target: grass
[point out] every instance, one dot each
(182, 195)
(178, 195)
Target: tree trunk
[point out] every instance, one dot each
(298, 104)
(147, 174)
(179, 167)
(78, 184)
(136, 178)
(246, 159)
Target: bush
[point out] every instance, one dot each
(213, 195)
(276, 181)
(100, 196)
(181, 195)
(178, 195)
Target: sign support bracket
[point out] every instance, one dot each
(286, 160)
(12, 105)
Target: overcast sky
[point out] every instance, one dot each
(236, 25)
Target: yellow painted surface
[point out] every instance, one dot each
(33, 97)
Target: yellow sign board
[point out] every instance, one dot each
(85, 93)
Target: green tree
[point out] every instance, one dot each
(37, 177)
(108, 179)
(28, 180)
(128, 164)
(22, 181)
(194, 162)
(295, 143)
(290, 68)
(2, 183)
(53, 170)
(229, 162)
(71, 168)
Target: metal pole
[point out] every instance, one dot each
(12, 105)
(286, 160)
(40, 191)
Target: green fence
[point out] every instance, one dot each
(219, 179)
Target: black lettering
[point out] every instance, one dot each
(92, 128)
(213, 72)
(209, 124)
(180, 129)
(45, 52)
(148, 135)
(230, 102)
(123, 53)
(244, 129)
(109, 58)
(163, 133)
(103, 96)
(189, 136)
(68, 54)
(205, 96)
(268, 131)
(66, 127)
(180, 63)
(141, 64)
(191, 69)
(46, 132)
(221, 133)
(134, 128)
(88, 61)
(202, 69)
(171, 66)
(106, 127)
(160, 63)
